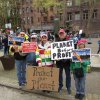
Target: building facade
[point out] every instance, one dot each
(33, 18)
(78, 16)
(74, 15)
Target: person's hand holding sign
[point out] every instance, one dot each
(77, 56)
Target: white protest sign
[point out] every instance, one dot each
(62, 50)
(80, 32)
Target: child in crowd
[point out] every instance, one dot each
(79, 81)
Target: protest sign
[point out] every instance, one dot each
(80, 32)
(28, 47)
(83, 54)
(14, 40)
(42, 78)
(62, 50)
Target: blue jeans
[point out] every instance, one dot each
(66, 66)
(80, 84)
(6, 50)
(21, 71)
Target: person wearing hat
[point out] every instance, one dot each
(25, 36)
(31, 57)
(79, 80)
(20, 62)
(43, 53)
(34, 38)
(64, 64)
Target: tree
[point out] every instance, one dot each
(6, 7)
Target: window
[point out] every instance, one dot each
(95, 14)
(77, 2)
(77, 16)
(23, 10)
(85, 15)
(51, 8)
(69, 16)
(69, 3)
(28, 20)
(32, 21)
(38, 19)
(27, 9)
(51, 18)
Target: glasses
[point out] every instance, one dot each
(44, 37)
(22, 34)
(33, 38)
(61, 33)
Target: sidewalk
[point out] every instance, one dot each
(9, 79)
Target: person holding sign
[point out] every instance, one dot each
(79, 73)
(43, 53)
(20, 62)
(64, 64)
(31, 57)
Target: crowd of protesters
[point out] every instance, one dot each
(42, 57)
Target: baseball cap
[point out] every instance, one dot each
(34, 36)
(61, 31)
(43, 34)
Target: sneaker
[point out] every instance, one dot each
(77, 96)
(81, 96)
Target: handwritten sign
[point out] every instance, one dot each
(84, 54)
(62, 50)
(42, 78)
(14, 40)
(29, 47)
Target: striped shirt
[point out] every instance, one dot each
(43, 55)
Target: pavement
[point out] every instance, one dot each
(9, 79)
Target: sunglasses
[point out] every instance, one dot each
(33, 38)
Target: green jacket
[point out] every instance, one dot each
(78, 65)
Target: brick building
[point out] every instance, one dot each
(35, 19)
(74, 14)
(77, 16)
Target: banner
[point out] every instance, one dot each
(42, 78)
(83, 54)
(29, 47)
(14, 40)
(62, 50)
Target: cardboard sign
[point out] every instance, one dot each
(42, 78)
(83, 54)
(14, 40)
(29, 47)
(62, 50)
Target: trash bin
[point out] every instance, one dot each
(8, 62)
